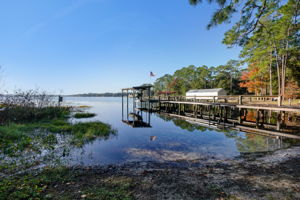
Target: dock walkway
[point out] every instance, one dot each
(246, 106)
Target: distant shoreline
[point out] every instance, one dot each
(95, 95)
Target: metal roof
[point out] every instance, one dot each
(142, 87)
(206, 90)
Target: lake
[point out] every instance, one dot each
(167, 140)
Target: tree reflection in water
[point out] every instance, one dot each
(245, 142)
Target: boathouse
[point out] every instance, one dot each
(205, 93)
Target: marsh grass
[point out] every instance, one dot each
(24, 114)
(84, 106)
(36, 132)
(18, 137)
(84, 115)
(28, 112)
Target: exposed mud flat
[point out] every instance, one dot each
(272, 176)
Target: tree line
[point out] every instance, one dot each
(203, 77)
(268, 32)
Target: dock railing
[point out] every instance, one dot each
(231, 99)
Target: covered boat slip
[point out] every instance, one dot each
(137, 100)
(205, 93)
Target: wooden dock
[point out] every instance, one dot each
(273, 103)
(263, 114)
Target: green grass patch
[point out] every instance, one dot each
(65, 183)
(26, 132)
(30, 186)
(84, 115)
(18, 137)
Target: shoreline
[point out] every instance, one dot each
(272, 176)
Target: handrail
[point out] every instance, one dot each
(228, 96)
(238, 98)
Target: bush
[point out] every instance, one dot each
(30, 106)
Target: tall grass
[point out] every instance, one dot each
(30, 106)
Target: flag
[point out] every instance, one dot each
(152, 74)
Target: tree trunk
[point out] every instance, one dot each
(284, 64)
(278, 73)
(282, 75)
(271, 88)
(230, 83)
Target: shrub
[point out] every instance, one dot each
(30, 106)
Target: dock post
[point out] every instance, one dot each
(220, 114)
(279, 101)
(240, 100)
(278, 123)
(209, 110)
(225, 114)
(159, 103)
(133, 102)
(257, 118)
(122, 105)
(240, 116)
(201, 112)
(214, 113)
(283, 118)
(127, 103)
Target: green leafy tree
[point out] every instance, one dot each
(203, 77)
(268, 30)
(162, 83)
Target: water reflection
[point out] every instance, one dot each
(137, 119)
(168, 139)
(247, 142)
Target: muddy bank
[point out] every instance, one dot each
(272, 176)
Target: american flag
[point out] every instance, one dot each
(152, 74)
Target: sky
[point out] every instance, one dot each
(82, 46)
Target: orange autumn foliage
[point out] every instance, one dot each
(292, 90)
(253, 81)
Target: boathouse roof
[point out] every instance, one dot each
(205, 90)
(141, 87)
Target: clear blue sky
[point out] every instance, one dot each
(80, 46)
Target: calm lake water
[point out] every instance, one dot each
(168, 139)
